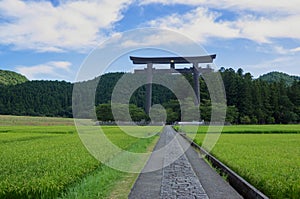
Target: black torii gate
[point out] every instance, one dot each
(196, 70)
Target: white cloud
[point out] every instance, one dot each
(277, 49)
(279, 6)
(54, 69)
(72, 25)
(161, 36)
(263, 29)
(286, 64)
(199, 24)
(61, 64)
(295, 49)
(281, 50)
(202, 24)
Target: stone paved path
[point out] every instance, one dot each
(179, 179)
(181, 175)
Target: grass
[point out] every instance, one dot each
(267, 156)
(107, 182)
(41, 165)
(122, 188)
(44, 158)
(51, 161)
(25, 130)
(11, 120)
(276, 128)
(254, 129)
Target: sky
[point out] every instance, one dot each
(50, 39)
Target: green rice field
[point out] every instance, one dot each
(254, 129)
(51, 161)
(267, 156)
(10, 120)
(45, 158)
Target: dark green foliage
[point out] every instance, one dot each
(11, 78)
(137, 114)
(37, 98)
(258, 101)
(232, 114)
(205, 110)
(249, 100)
(106, 84)
(104, 112)
(278, 76)
(173, 110)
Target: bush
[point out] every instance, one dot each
(245, 120)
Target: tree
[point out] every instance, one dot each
(158, 113)
(104, 113)
(244, 102)
(259, 100)
(205, 110)
(232, 115)
(245, 119)
(137, 114)
(172, 116)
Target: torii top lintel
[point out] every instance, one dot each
(173, 60)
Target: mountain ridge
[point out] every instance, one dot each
(276, 76)
(8, 77)
(11, 78)
(249, 100)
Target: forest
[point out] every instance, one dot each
(272, 98)
(11, 78)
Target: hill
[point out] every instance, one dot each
(37, 98)
(279, 76)
(249, 100)
(11, 78)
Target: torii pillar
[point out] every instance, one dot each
(196, 83)
(149, 88)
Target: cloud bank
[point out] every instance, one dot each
(202, 23)
(71, 25)
(82, 24)
(53, 69)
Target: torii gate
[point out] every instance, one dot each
(195, 69)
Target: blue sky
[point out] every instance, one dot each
(50, 39)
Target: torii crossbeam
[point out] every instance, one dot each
(195, 69)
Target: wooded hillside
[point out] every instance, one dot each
(11, 78)
(249, 100)
(278, 76)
